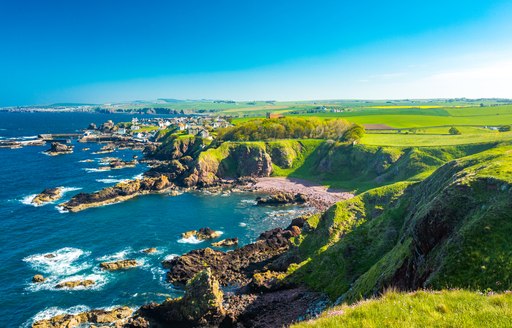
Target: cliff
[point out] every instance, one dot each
(450, 230)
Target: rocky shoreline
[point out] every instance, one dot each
(238, 288)
(118, 193)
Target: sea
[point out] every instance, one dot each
(81, 241)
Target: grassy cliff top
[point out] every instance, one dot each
(455, 308)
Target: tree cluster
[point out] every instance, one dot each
(290, 128)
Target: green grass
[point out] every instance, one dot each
(454, 308)
(421, 139)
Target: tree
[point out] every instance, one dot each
(353, 134)
(454, 131)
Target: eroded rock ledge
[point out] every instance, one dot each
(120, 192)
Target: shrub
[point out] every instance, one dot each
(454, 131)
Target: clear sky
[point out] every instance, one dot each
(107, 51)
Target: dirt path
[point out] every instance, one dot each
(320, 196)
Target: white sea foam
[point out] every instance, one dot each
(242, 224)
(170, 257)
(27, 200)
(189, 240)
(116, 256)
(99, 278)
(139, 176)
(91, 170)
(249, 201)
(110, 180)
(61, 209)
(53, 311)
(62, 262)
(68, 189)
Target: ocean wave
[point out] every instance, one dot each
(110, 180)
(61, 209)
(27, 200)
(61, 262)
(100, 279)
(54, 311)
(116, 256)
(249, 201)
(90, 170)
(190, 240)
(68, 189)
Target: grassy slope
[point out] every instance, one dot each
(421, 309)
(342, 166)
(450, 230)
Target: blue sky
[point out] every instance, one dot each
(109, 51)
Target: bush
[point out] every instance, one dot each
(454, 131)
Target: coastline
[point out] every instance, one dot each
(320, 197)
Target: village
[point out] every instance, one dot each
(151, 129)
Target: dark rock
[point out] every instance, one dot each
(76, 283)
(235, 267)
(282, 198)
(201, 305)
(58, 149)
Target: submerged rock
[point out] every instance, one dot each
(38, 278)
(119, 265)
(47, 196)
(226, 242)
(116, 317)
(58, 149)
(75, 283)
(149, 250)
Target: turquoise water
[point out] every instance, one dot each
(82, 240)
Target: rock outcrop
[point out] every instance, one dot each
(59, 149)
(75, 283)
(202, 234)
(119, 265)
(201, 305)
(120, 192)
(282, 198)
(47, 196)
(228, 242)
(230, 268)
(38, 278)
(116, 317)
